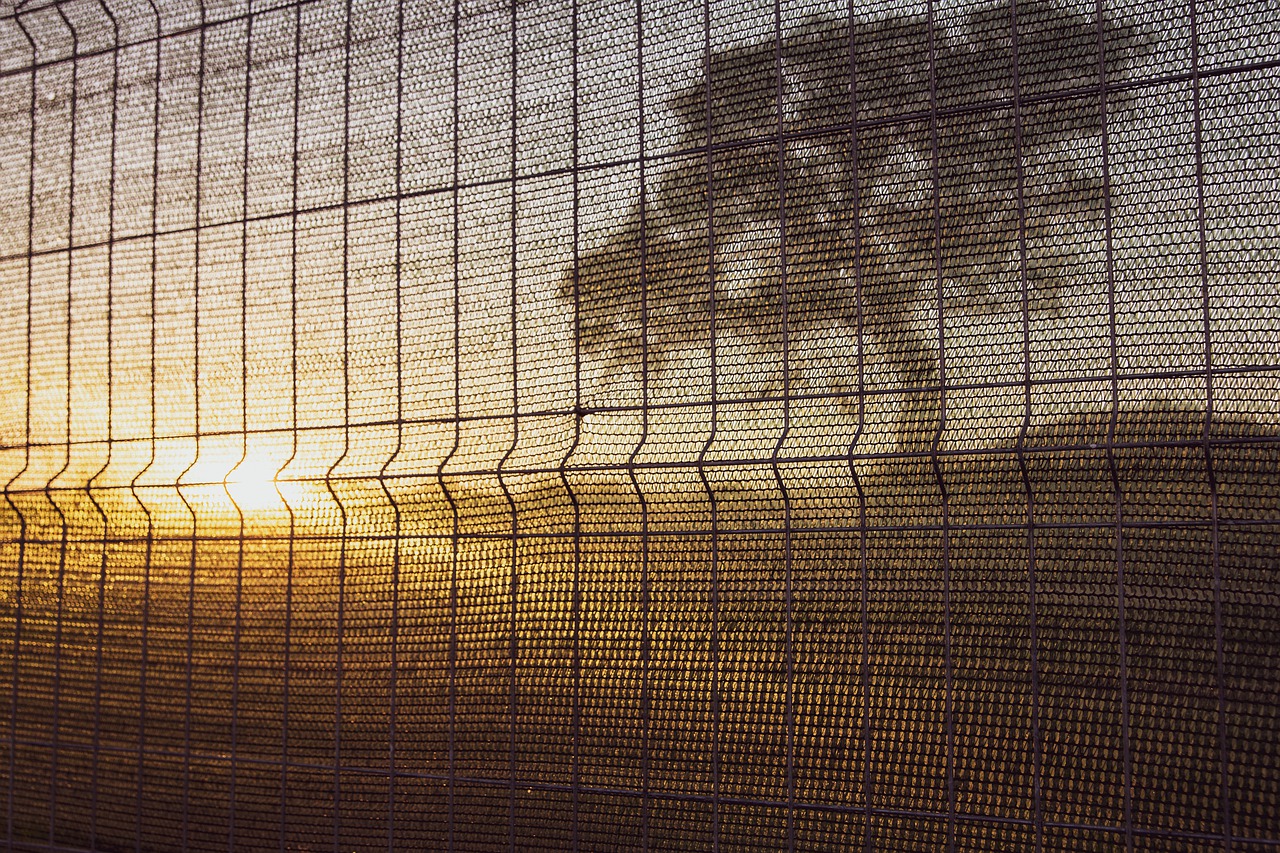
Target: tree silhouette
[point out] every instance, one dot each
(864, 172)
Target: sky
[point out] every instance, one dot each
(251, 339)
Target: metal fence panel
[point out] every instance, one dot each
(781, 425)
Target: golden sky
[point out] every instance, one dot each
(253, 320)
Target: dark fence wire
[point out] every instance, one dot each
(499, 614)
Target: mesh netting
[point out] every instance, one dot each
(588, 425)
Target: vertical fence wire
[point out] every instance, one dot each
(859, 283)
(149, 552)
(237, 627)
(717, 688)
(1220, 678)
(788, 653)
(21, 557)
(287, 640)
(1021, 444)
(455, 539)
(393, 682)
(338, 500)
(64, 523)
(935, 163)
(513, 589)
(189, 709)
(1114, 378)
(105, 546)
(646, 589)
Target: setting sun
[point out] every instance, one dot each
(253, 487)
(226, 476)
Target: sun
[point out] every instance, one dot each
(252, 487)
(228, 476)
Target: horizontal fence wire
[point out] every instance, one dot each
(827, 130)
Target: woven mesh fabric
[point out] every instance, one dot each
(593, 425)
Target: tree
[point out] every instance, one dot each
(861, 174)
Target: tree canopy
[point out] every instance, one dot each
(870, 174)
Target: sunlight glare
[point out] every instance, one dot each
(227, 477)
(252, 486)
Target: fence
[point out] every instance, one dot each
(628, 425)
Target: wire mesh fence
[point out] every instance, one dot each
(638, 425)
